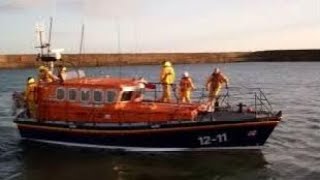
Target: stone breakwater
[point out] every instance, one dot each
(87, 60)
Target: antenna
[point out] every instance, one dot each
(50, 33)
(135, 42)
(119, 47)
(81, 43)
(40, 31)
(81, 39)
(47, 56)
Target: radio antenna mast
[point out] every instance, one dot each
(119, 47)
(81, 39)
(81, 43)
(50, 34)
(50, 56)
(40, 31)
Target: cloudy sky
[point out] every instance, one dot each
(162, 25)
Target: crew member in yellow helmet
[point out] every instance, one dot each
(167, 77)
(30, 97)
(186, 86)
(45, 75)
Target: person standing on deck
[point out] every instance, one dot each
(213, 85)
(167, 77)
(30, 97)
(186, 86)
(138, 96)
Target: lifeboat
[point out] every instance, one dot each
(119, 113)
(116, 113)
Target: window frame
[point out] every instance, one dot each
(64, 94)
(77, 95)
(115, 99)
(102, 96)
(90, 96)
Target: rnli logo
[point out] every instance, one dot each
(252, 133)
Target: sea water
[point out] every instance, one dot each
(291, 152)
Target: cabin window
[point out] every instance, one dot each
(60, 94)
(72, 94)
(98, 96)
(111, 96)
(126, 95)
(85, 95)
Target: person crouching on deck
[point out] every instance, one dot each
(186, 86)
(213, 85)
(167, 78)
(30, 97)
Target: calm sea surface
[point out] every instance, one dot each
(292, 151)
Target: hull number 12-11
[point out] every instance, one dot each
(207, 140)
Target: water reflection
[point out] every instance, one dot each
(52, 162)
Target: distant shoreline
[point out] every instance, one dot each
(17, 61)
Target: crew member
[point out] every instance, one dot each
(138, 96)
(213, 85)
(45, 76)
(30, 97)
(62, 73)
(186, 86)
(167, 78)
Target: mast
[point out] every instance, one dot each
(51, 64)
(50, 34)
(81, 39)
(50, 56)
(119, 47)
(81, 44)
(39, 31)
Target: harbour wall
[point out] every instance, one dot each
(90, 60)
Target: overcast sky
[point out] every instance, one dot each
(162, 25)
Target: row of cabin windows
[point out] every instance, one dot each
(84, 95)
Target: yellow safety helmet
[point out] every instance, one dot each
(167, 64)
(43, 68)
(31, 81)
